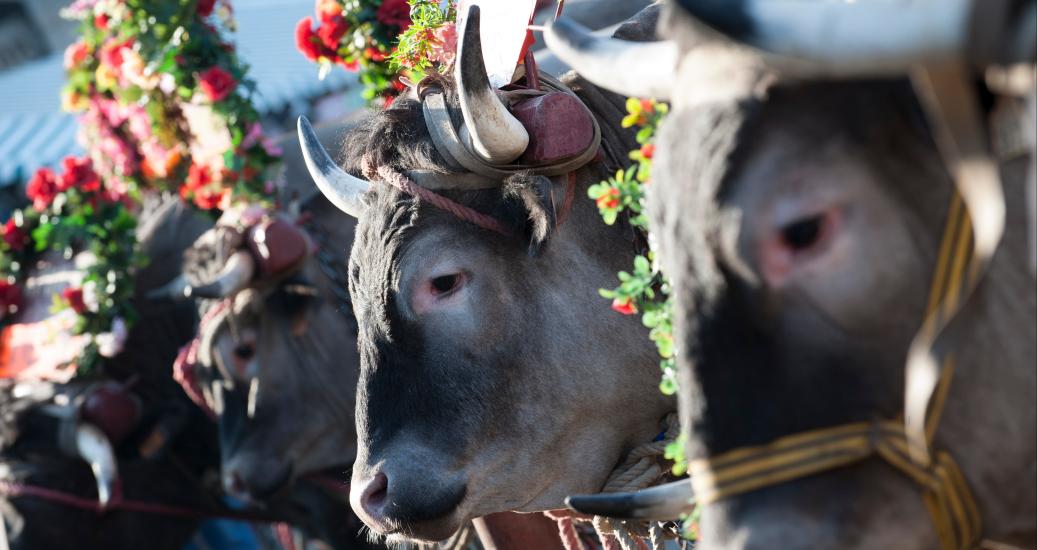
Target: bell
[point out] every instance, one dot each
(113, 409)
(559, 127)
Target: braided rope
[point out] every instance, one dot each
(639, 469)
(566, 529)
(404, 184)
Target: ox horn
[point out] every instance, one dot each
(842, 38)
(341, 188)
(664, 502)
(177, 289)
(490, 130)
(234, 276)
(633, 69)
(93, 446)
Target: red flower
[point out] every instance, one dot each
(331, 31)
(75, 54)
(646, 106)
(624, 305)
(202, 189)
(205, 7)
(10, 297)
(74, 297)
(648, 150)
(216, 83)
(610, 199)
(307, 41)
(394, 13)
(111, 52)
(79, 173)
(42, 188)
(374, 54)
(101, 21)
(14, 236)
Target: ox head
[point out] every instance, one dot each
(493, 377)
(798, 217)
(269, 349)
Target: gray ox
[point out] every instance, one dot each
(492, 378)
(162, 458)
(268, 369)
(799, 220)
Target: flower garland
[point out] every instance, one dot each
(165, 106)
(165, 101)
(645, 290)
(358, 35)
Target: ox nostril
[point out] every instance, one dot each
(235, 484)
(373, 497)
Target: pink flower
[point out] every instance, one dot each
(394, 13)
(216, 83)
(76, 54)
(326, 9)
(42, 188)
(443, 46)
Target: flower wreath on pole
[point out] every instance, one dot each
(165, 106)
(382, 40)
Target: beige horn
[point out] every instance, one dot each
(490, 130)
(235, 276)
(635, 69)
(93, 446)
(344, 190)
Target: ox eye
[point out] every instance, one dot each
(445, 284)
(244, 351)
(803, 233)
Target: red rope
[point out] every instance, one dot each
(187, 361)
(404, 184)
(566, 529)
(12, 489)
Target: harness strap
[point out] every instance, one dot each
(13, 489)
(947, 94)
(944, 490)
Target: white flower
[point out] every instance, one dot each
(90, 296)
(109, 344)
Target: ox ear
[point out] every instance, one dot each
(533, 198)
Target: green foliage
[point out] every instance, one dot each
(645, 289)
(417, 48)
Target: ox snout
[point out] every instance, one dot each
(254, 478)
(401, 503)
